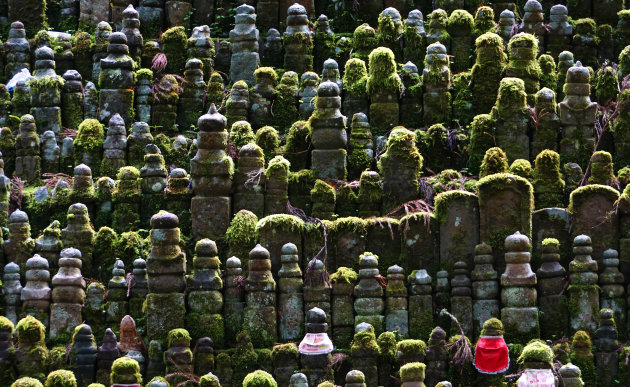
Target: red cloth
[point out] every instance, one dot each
(491, 355)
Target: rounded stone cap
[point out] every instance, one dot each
(140, 127)
(582, 240)
(545, 95)
(72, 75)
(328, 89)
(194, 64)
(164, 219)
(355, 376)
(116, 120)
(251, 150)
(483, 249)
(106, 183)
(461, 266)
(315, 316)
(436, 48)
(298, 378)
(558, 9)
(49, 134)
(78, 209)
(17, 25)
(437, 334)
(411, 67)
(158, 383)
(233, 263)
(259, 252)
(82, 170)
(395, 270)
(422, 277)
(18, 216)
(331, 64)
(152, 149)
(506, 14)
(611, 253)
(179, 173)
(204, 342)
(578, 74)
(391, 12)
(129, 173)
(570, 371)
(70, 252)
(415, 14)
(130, 13)
(605, 314)
(362, 327)
(565, 56)
(44, 53)
(212, 121)
(245, 9)
(533, 6)
(442, 274)
(85, 330)
(27, 119)
(206, 248)
(517, 242)
(117, 38)
(11, 267)
(309, 76)
(37, 262)
(139, 263)
(295, 10)
(289, 249)
(359, 117)
(273, 33)
(367, 261)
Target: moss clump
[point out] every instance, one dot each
(364, 40)
(297, 144)
(547, 180)
(549, 77)
(344, 275)
(283, 352)
(412, 372)
(382, 72)
(278, 169)
(482, 131)
(536, 351)
(411, 346)
(387, 346)
(61, 378)
(323, 197)
(174, 41)
(215, 92)
(582, 357)
(602, 169)
(606, 85)
(125, 371)
(27, 382)
(209, 380)
(241, 133)
(494, 161)
(580, 194)
(90, 138)
(267, 138)
(30, 332)
(6, 325)
(364, 343)
(259, 378)
(242, 229)
(178, 337)
(285, 105)
(289, 223)
(522, 168)
(355, 77)
(266, 73)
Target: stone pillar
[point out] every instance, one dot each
(211, 183)
(19, 246)
(368, 304)
(21, 99)
(12, 291)
(411, 102)
(237, 104)
(164, 108)
(139, 288)
(93, 311)
(262, 96)
(420, 304)
(317, 289)
(298, 40)
(571, 375)
(105, 356)
(68, 294)
(27, 151)
(144, 81)
(71, 102)
(317, 366)
(7, 352)
(259, 317)
(485, 288)
(523, 49)
(592, 209)
(244, 38)
(205, 301)
(49, 153)
(396, 314)
(178, 357)
(437, 358)
(584, 292)
(155, 364)
(487, 70)
(249, 180)
(611, 282)
(153, 176)
(114, 147)
(577, 117)
(137, 141)
(585, 41)
(117, 306)
(513, 194)
(364, 353)
(361, 147)
(201, 47)
(460, 28)
(31, 355)
(204, 356)
(323, 199)
(191, 101)
(36, 293)
(126, 200)
(101, 42)
(383, 87)
(560, 30)
(606, 349)
(116, 80)
(518, 294)
(342, 310)
(512, 117)
(80, 234)
(131, 25)
(151, 15)
(437, 24)
(414, 37)
(233, 296)
(18, 50)
(165, 307)
(461, 299)
(126, 371)
(436, 79)
(551, 285)
(90, 102)
(290, 301)
(329, 137)
(84, 353)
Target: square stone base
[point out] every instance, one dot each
(329, 164)
(63, 318)
(520, 324)
(210, 216)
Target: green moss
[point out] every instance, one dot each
(178, 337)
(323, 192)
(579, 195)
(522, 168)
(344, 275)
(241, 133)
(494, 161)
(125, 371)
(443, 201)
(39, 85)
(355, 77)
(30, 332)
(602, 169)
(284, 352)
(268, 139)
(387, 346)
(364, 343)
(90, 138)
(536, 351)
(5, 324)
(278, 169)
(174, 41)
(411, 346)
(412, 372)
(297, 144)
(61, 378)
(582, 357)
(27, 382)
(382, 72)
(259, 378)
(242, 230)
(144, 74)
(267, 73)
(209, 380)
(289, 223)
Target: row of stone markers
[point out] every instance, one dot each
(266, 319)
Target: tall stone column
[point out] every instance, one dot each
(342, 310)
(583, 289)
(19, 246)
(461, 297)
(611, 282)
(116, 80)
(291, 299)
(36, 293)
(298, 40)
(244, 38)
(45, 88)
(485, 288)
(260, 313)
(551, 299)
(396, 314)
(211, 171)
(420, 304)
(68, 293)
(12, 291)
(27, 151)
(233, 298)
(518, 294)
(166, 265)
(368, 303)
